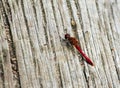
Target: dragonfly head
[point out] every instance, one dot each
(67, 36)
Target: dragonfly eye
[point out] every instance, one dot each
(67, 36)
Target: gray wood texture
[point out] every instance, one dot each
(32, 54)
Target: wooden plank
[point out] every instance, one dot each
(6, 81)
(37, 27)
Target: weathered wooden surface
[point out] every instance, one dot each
(31, 52)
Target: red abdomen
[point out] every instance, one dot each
(84, 55)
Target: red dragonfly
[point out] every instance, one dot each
(73, 41)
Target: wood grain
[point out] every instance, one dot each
(32, 54)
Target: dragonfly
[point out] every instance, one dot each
(73, 41)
